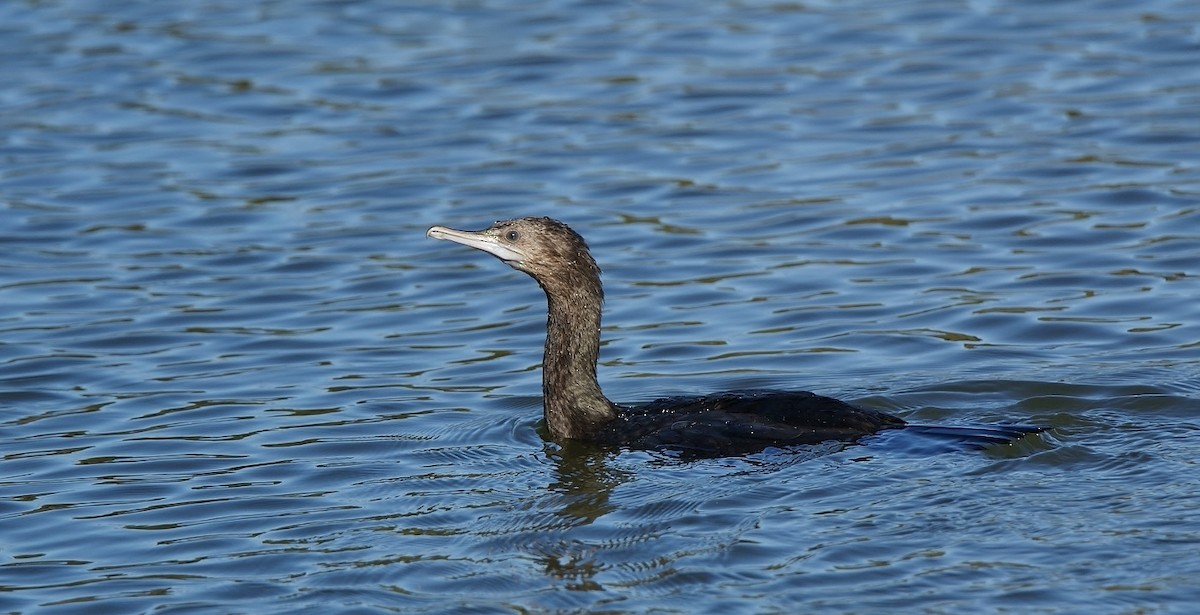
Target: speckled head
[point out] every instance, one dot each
(556, 256)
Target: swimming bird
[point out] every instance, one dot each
(719, 424)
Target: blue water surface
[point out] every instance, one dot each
(235, 377)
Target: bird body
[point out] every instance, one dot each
(736, 422)
(574, 405)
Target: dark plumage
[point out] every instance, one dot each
(719, 424)
(741, 422)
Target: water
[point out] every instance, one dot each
(237, 378)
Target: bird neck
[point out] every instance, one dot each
(575, 407)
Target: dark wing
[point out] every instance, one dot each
(741, 422)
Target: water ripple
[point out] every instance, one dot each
(233, 371)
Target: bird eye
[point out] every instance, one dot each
(512, 235)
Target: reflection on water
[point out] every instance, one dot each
(235, 376)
